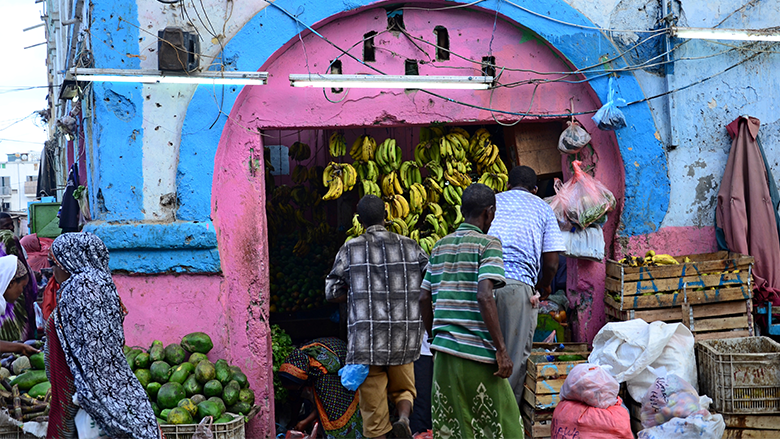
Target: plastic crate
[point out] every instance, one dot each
(43, 219)
(11, 432)
(741, 375)
(230, 430)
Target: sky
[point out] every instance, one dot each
(22, 68)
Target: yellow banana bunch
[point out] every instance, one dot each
(497, 182)
(427, 151)
(399, 207)
(301, 248)
(417, 197)
(399, 226)
(335, 189)
(457, 178)
(357, 228)
(363, 149)
(452, 195)
(339, 178)
(391, 185)
(435, 171)
(458, 145)
(428, 243)
(299, 151)
(337, 145)
(664, 260)
(299, 174)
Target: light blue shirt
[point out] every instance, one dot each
(527, 227)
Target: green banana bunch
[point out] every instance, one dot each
(299, 174)
(337, 145)
(409, 174)
(299, 151)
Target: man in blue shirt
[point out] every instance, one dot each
(531, 241)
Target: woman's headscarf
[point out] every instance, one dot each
(10, 267)
(37, 251)
(89, 327)
(18, 321)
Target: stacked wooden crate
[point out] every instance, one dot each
(544, 378)
(711, 294)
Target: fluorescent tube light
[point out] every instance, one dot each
(698, 33)
(392, 81)
(161, 77)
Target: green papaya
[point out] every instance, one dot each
(188, 405)
(39, 390)
(156, 351)
(164, 415)
(240, 407)
(152, 389)
(142, 361)
(208, 408)
(235, 369)
(130, 357)
(144, 377)
(224, 419)
(29, 379)
(174, 354)
(224, 374)
(161, 421)
(192, 386)
(197, 398)
(212, 388)
(170, 394)
(126, 349)
(197, 357)
(247, 396)
(241, 379)
(178, 416)
(37, 361)
(181, 372)
(205, 372)
(231, 393)
(156, 409)
(219, 402)
(161, 371)
(197, 342)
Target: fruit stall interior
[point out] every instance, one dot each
(305, 231)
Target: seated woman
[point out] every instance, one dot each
(315, 366)
(84, 341)
(13, 280)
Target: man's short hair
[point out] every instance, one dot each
(522, 176)
(371, 210)
(476, 198)
(4, 215)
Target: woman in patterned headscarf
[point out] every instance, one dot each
(17, 320)
(84, 347)
(316, 366)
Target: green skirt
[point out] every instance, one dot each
(468, 401)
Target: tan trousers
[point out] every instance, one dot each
(396, 382)
(517, 318)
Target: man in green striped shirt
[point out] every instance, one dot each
(471, 394)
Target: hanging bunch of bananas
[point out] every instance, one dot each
(427, 243)
(399, 206)
(367, 170)
(433, 190)
(304, 197)
(339, 178)
(388, 156)
(399, 226)
(299, 151)
(368, 187)
(457, 177)
(409, 174)
(391, 185)
(497, 182)
(452, 195)
(427, 151)
(357, 228)
(337, 145)
(486, 154)
(418, 196)
(299, 174)
(301, 248)
(453, 145)
(363, 149)
(315, 178)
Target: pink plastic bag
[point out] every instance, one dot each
(575, 420)
(590, 384)
(670, 397)
(582, 200)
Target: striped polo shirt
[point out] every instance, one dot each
(457, 263)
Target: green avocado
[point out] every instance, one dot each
(142, 361)
(197, 342)
(161, 371)
(170, 394)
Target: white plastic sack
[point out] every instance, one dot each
(573, 138)
(692, 427)
(585, 243)
(87, 427)
(630, 347)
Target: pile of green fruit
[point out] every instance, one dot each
(184, 386)
(297, 286)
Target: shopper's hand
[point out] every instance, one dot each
(301, 426)
(544, 292)
(504, 364)
(535, 299)
(26, 350)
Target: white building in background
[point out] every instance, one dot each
(18, 181)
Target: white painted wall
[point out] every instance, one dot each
(17, 172)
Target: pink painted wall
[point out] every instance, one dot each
(675, 241)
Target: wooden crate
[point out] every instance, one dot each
(752, 426)
(537, 423)
(712, 295)
(544, 378)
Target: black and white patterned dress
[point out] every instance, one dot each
(89, 326)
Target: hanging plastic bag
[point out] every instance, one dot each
(203, 430)
(353, 375)
(86, 427)
(587, 243)
(591, 384)
(556, 203)
(573, 138)
(582, 200)
(609, 116)
(670, 397)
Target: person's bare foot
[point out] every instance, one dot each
(401, 428)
